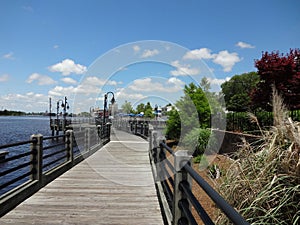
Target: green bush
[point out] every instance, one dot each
(197, 140)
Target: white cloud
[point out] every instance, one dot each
(202, 53)
(90, 85)
(216, 81)
(62, 91)
(150, 85)
(67, 67)
(30, 102)
(174, 80)
(68, 80)
(9, 56)
(244, 45)
(136, 48)
(183, 69)
(4, 77)
(149, 53)
(41, 79)
(128, 96)
(226, 60)
(96, 81)
(56, 46)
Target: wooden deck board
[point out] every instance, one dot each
(113, 186)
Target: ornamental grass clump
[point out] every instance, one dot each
(264, 182)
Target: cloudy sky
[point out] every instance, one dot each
(83, 49)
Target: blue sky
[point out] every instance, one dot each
(50, 48)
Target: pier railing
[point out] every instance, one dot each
(138, 127)
(42, 160)
(173, 174)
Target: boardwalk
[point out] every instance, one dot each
(113, 186)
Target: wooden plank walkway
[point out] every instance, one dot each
(113, 186)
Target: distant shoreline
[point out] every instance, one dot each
(20, 113)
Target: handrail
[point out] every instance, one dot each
(16, 144)
(35, 167)
(230, 212)
(137, 127)
(175, 189)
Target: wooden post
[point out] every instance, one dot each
(180, 159)
(69, 145)
(37, 157)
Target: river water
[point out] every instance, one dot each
(20, 128)
(15, 129)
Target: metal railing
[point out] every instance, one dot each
(42, 160)
(173, 174)
(137, 127)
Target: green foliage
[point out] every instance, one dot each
(193, 107)
(197, 140)
(127, 108)
(148, 110)
(140, 108)
(193, 112)
(173, 127)
(237, 91)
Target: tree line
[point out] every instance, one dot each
(247, 92)
(253, 91)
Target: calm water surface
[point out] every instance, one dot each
(15, 129)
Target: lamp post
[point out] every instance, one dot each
(105, 105)
(65, 106)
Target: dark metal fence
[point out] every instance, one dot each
(173, 175)
(44, 159)
(139, 127)
(240, 121)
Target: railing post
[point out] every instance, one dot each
(135, 128)
(69, 145)
(154, 145)
(37, 157)
(99, 133)
(181, 158)
(108, 127)
(87, 140)
(142, 128)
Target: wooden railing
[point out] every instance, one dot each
(43, 159)
(173, 174)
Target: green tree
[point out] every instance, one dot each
(237, 91)
(148, 110)
(127, 108)
(140, 108)
(173, 127)
(215, 99)
(193, 112)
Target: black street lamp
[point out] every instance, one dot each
(105, 104)
(65, 106)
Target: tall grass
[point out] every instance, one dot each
(264, 182)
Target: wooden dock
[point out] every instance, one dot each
(113, 186)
